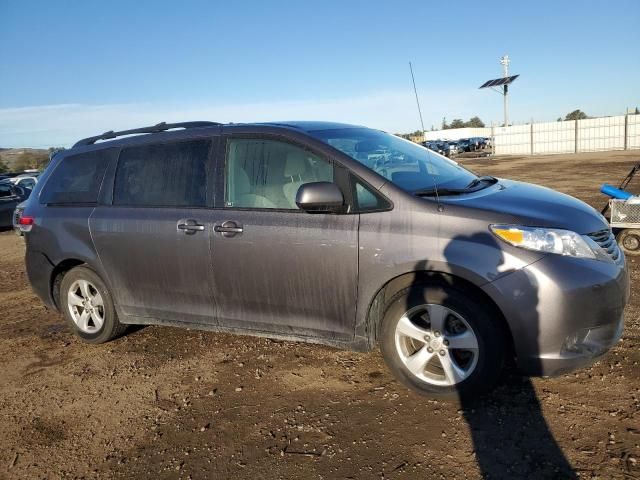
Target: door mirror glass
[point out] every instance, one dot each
(320, 197)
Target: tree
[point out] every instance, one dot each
(475, 122)
(53, 150)
(576, 115)
(31, 160)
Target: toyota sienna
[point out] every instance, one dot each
(328, 233)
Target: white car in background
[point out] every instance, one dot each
(24, 180)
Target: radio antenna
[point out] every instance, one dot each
(417, 100)
(435, 181)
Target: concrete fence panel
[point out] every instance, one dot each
(554, 137)
(633, 132)
(513, 140)
(600, 134)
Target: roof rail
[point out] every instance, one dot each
(160, 127)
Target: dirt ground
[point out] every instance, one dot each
(169, 403)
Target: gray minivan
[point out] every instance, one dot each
(326, 233)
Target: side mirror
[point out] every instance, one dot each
(319, 197)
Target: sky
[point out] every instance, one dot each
(71, 69)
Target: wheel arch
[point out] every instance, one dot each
(376, 309)
(58, 273)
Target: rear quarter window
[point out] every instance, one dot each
(77, 178)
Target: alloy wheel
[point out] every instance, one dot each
(436, 344)
(86, 306)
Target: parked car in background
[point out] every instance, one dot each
(447, 148)
(25, 180)
(326, 233)
(464, 145)
(472, 144)
(433, 146)
(451, 148)
(10, 196)
(4, 176)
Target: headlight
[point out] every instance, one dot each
(549, 240)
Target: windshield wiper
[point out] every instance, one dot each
(477, 181)
(432, 192)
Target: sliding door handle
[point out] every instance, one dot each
(228, 229)
(190, 226)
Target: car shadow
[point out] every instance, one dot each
(510, 435)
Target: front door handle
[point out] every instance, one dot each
(189, 226)
(228, 229)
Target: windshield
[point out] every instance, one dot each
(409, 166)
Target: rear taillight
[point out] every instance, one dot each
(26, 223)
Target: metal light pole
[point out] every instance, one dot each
(504, 61)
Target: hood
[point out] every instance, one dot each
(532, 205)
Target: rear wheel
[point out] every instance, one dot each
(87, 306)
(441, 341)
(629, 240)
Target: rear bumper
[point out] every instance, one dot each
(563, 312)
(39, 272)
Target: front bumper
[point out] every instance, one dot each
(563, 312)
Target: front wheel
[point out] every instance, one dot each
(441, 341)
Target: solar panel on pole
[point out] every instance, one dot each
(499, 81)
(504, 83)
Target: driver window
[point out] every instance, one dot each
(267, 173)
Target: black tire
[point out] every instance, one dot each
(629, 241)
(111, 327)
(491, 339)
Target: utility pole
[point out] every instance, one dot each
(505, 61)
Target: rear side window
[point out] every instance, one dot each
(163, 175)
(77, 178)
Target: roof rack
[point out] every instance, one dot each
(160, 127)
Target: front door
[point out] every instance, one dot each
(154, 239)
(276, 268)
